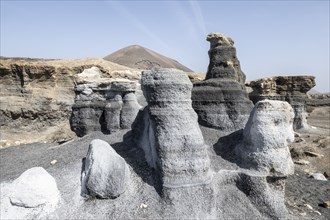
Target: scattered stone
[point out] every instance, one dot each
(221, 100)
(313, 154)
(143, 206)
(325, 204)
(292, 89)
(266, 137)
(300, 140)
(317, 176)
(33, 188)
(308, 206)
(326, 174)
(105, 173)
(296, 134)
(53, 162)
(302, 162)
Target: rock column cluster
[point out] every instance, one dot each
(220, 100)
(292, 89)
(103, 105)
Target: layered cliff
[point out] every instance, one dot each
(36, 96)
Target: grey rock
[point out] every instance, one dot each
(318, 176)
(168, 132)
(98, 106)
(105, 173)
(123, 86)
(266, 137)
(33, 188)
(112, 113)
(129, 111)
(221, 101)
(292, 89)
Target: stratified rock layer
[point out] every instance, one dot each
(220, 100)
(167, 130)
(292, 89)
(36, 96)
(102, 104)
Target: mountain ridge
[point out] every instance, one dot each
(138, 57)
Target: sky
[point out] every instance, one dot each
(271, 37)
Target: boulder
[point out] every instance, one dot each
(292, 89)
(33, 188)
(105, 173)
(168, 132)
(221, 101)
(266, 137)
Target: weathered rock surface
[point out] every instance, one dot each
(168, 132)
(102, 104)
(105, 173)
(35, 187)
(292, 89)
(266, 137)
(221, 100)
(36, 96)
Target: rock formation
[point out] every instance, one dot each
(33, 188)
(168, 132)
(266, 137)
(105, 173)
(102, 104)
(36, 96)
(292, 89)
(220, 100)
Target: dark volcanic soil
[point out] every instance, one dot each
(303, 194)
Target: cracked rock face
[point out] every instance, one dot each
(266, 137)
(168, 132)
(292, 89)
(105, 174)
(221, 101)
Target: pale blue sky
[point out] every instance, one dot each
(271, 37)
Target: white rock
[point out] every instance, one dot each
(266, 137)
(33, 188)
(106, 174)
(318, 176)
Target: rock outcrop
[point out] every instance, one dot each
(102, 104)
(266, 137)
(292, 89)
(105, 173)
(36, 96)
(221, 101)
(33, 188)
(168, 132)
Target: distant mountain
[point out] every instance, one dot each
(138, 57)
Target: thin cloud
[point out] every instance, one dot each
(198, 15)
(135, 21)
